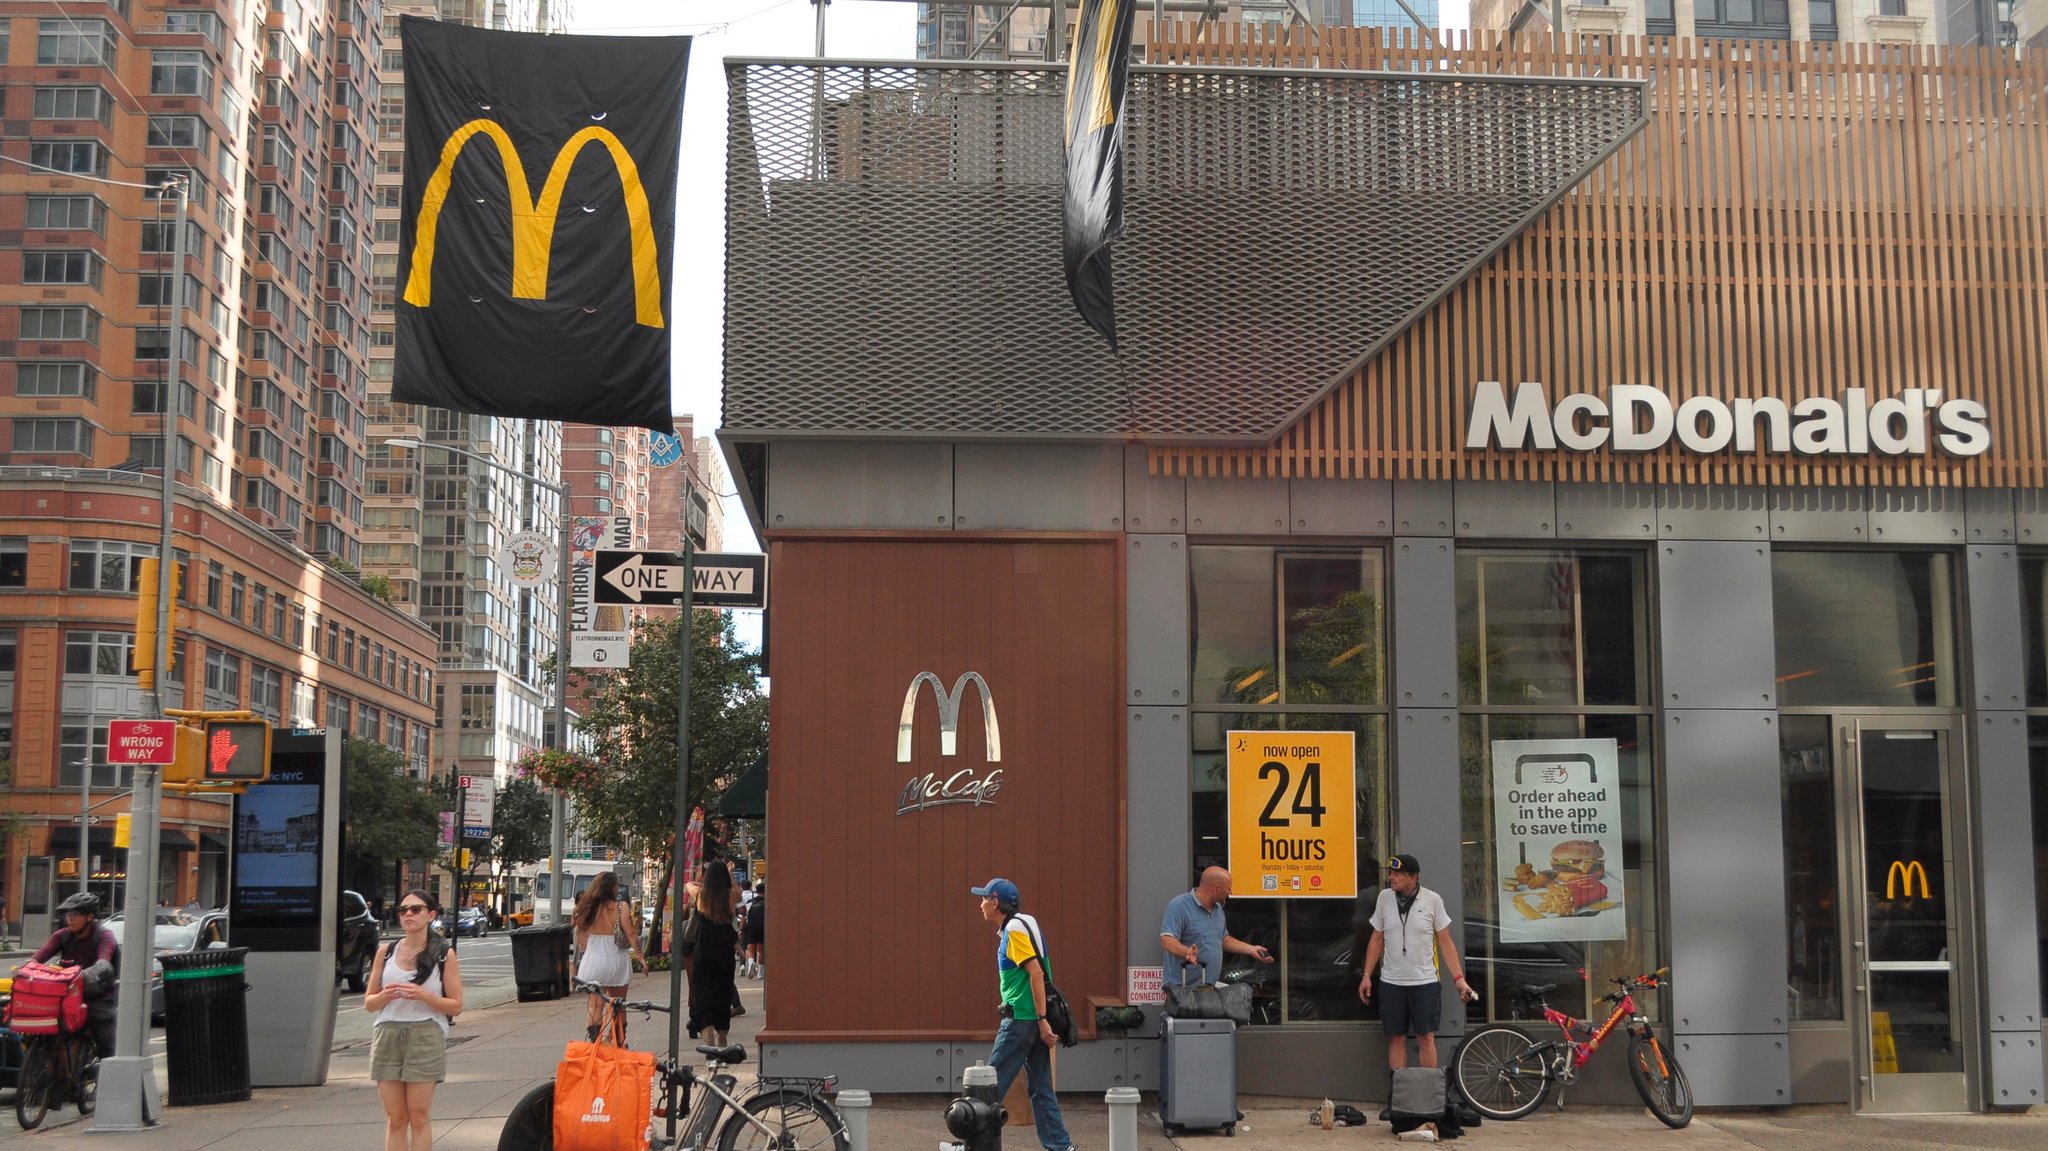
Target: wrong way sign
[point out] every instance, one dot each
(649, 578)
(142, 741)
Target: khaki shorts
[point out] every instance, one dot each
(415, 1052)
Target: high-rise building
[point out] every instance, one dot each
(257, 345)
(1962, 22)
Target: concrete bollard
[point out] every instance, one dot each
(854, 1107)
(1123, 1118)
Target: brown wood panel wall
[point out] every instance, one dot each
(876, 935)
(1797, 219)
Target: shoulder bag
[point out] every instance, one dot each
(1057, 1011)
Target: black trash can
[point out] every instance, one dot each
(540, 961)
(206, 1027)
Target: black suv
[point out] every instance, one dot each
(355, 941)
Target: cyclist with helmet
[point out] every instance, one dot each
(87, 943)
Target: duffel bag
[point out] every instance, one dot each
(47, 1000)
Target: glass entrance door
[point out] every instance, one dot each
(1911, 994)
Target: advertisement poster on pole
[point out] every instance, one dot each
(1557, 840)
(598, 638)
(1293, 813)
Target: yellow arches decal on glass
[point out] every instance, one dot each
(533, 221)
(1901, 869)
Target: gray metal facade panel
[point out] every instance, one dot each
(2030, 515)
(1820, 515)
(1606, 511)
(2016, 1070)
(1141, 1059)
(1158, 826)
(1737, 1070)
(1997, 658)
(1504, 510)
(1156, 619)
(1038, 487)
(1427, 808)
(1714, 625)
(1237, 507)
(1916, 516)
(877, 1067)
(1422, 508)
(2005, 873)
(1988, 516)
(1724, 872)
(1688, 512)
(1425, 623)
(1341, 507)
(860, 485)
(893, 238)
(1152, 503)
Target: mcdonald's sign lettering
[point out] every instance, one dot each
(1901, 874)
(533, 220)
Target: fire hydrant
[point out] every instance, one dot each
(976, 1118)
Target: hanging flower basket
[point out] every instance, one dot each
(562, 769)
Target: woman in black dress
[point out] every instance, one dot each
(712, 991)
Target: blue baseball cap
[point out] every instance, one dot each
(1002, 889)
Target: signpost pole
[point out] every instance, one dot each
(677, 853)
(85, 826)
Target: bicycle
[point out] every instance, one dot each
(55, 1068)
(1505, 1073)
(783, 1113)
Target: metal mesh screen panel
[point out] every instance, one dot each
(893, 239)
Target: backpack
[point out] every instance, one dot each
(1419, 1096)
(47, 1000)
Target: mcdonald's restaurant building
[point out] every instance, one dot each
(1631, 459)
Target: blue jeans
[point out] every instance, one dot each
(1018, 1048)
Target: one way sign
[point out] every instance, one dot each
(723, 579)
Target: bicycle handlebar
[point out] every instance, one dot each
(615, 1001)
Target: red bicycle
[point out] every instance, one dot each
(1505, 1073)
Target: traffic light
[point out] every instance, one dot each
(462, 859)
(221, 751)
(146, 609)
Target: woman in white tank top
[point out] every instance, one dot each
(608, 942)
(415, 989)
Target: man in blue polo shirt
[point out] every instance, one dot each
(1193, 936)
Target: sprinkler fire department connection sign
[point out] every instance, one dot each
(1293, 813)
(1557, 840)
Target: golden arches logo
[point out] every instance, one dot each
(1904, 870)
(533, 221)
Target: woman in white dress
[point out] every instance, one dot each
(609, 942)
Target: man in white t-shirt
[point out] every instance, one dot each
(1412, 933)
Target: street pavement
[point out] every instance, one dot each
(500, 1048)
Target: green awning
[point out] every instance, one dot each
(747, 798)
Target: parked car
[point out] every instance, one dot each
(355, 941)
(205, 931)
(472, 921)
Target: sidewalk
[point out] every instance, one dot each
(500, 1048)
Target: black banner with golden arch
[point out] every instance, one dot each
(1093, 208)
(539, 223)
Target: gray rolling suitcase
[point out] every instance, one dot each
(1197, 1074)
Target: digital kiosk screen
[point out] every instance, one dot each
(276, 902)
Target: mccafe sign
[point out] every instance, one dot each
(949, 786)
(1637, 418)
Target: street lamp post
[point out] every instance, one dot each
(558, 814)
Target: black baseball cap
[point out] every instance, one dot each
(1404, 862)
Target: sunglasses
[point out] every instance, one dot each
(409, 908)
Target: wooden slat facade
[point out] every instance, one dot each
(1796, 220)
(881, 897)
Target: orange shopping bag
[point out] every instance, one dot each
(604, 1098)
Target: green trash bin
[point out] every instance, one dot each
(540, 961)
(206, 1027)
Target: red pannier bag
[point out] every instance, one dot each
(47, 1000)
(604, 1098)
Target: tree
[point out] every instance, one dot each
(388, 815)
(630, 716)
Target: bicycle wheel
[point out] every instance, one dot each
(800, 1122)
(1500, 1072)
(531, 1125)
(85, 1072)
(32, 1087)
(1659, 1080)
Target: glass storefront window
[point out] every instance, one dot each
(1498, 970)
(1283, 627)
(1806, 774)
(1864, 629)
(1540, 629)
(2034, 627)
(1316, 975)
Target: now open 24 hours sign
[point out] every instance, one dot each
(1293, 813)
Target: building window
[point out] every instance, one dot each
(223, 679)
(180, 73)
(337, 711)
(98, 653)
(69, 42)
(46, 378)
(266, 692)
(2034, 632)
(1276, 629)
(82, 741)
(13, 563)
(73, 157)
(1554, 646)
(60, 324)
(213, 574)
(1864, 629)
(71, 213)
(68, 436)
(60, 267)
(238, 590)
(177, 132)
(107, 565)
(73, 104)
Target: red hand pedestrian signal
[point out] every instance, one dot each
(220, 751)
